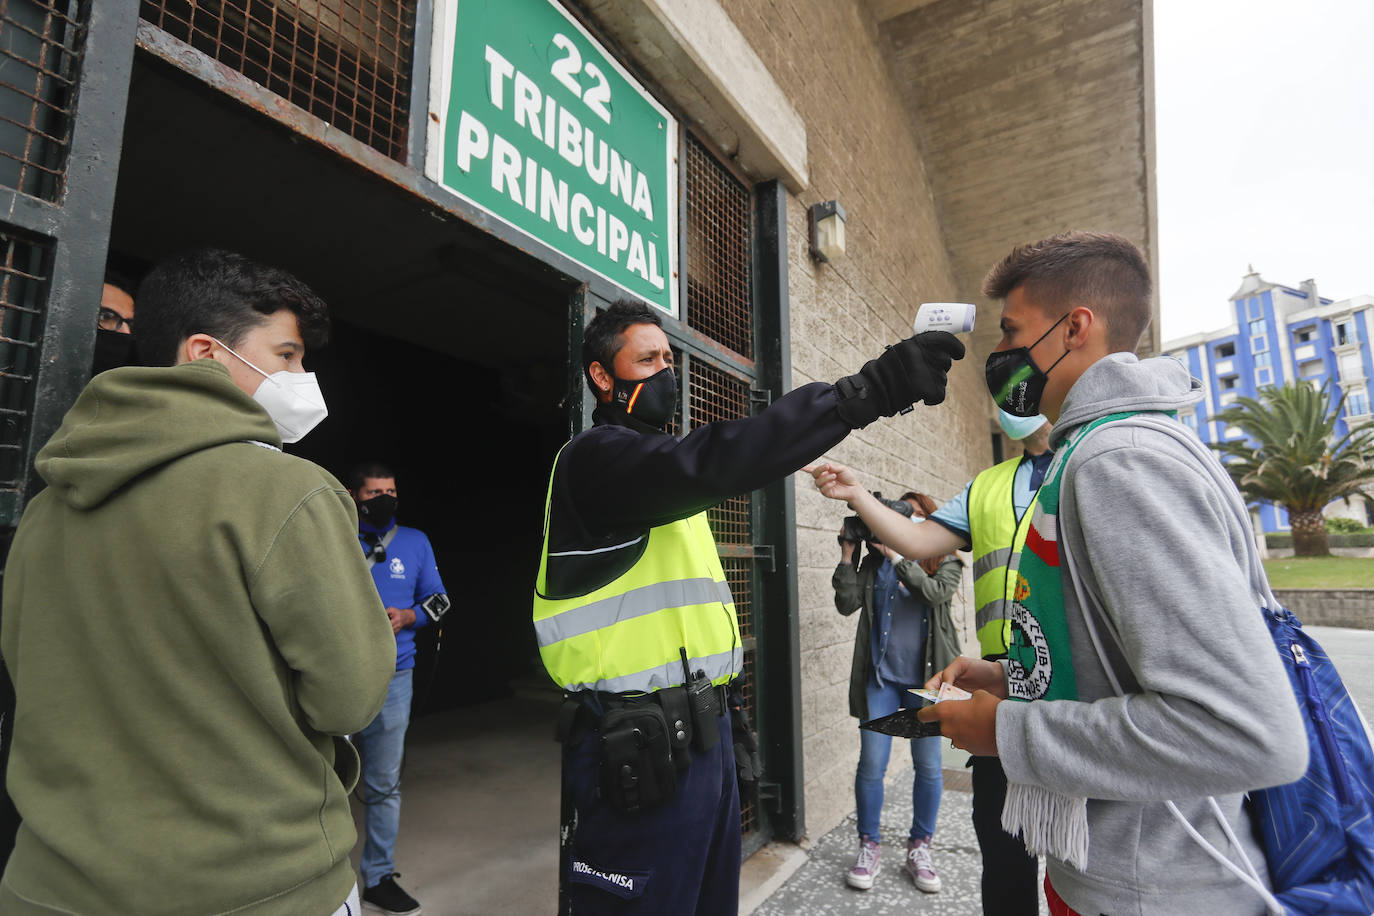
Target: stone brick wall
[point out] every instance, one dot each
(826, 57)
(1035, 118)
(1330, 607)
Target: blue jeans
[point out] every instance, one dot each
(874, 749)
(382, 746)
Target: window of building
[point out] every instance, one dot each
(1356, 401)
(1264, 377)
(1226, 350)
(1305, 335)
(1262, 359)
(1351, 367)
(1258, 344)
(1226, 383)
(1310, 369)
(1345, 332)
(1257, 327)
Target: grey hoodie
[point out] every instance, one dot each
(1207, 710)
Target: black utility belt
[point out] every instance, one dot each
(645, 740)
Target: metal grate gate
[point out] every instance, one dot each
(40, 56)
(719, 216)
(348, 62)
(719, 252)
(25, 268)
(41, 49)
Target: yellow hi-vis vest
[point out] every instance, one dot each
(625, 636)
(998, 536)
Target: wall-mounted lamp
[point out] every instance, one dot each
(827, 230)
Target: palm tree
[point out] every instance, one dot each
(1291, 456)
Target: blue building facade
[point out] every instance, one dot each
(1283, 334)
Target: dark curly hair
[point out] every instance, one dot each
(223, 294)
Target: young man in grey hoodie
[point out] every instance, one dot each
(1206, 708)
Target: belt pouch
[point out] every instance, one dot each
(636, 758)
(678, 713)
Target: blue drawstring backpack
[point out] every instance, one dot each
(1318, 832)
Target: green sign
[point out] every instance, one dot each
(533, 122)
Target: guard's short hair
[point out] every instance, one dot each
(223, 294)
(604, 335)
(365, 469)
(1097, 270)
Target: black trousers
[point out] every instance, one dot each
(1009, 872)
(682, 859)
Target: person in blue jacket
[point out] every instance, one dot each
(406, 575)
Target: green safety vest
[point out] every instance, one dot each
(998, 536)
(626, 636)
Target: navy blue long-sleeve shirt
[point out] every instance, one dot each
(616, 480)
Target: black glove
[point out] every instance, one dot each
(907, 372)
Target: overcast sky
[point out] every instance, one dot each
(1264, 113)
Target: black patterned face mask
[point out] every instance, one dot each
(1015, 381)
(651, 400)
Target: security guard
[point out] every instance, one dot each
(992, 516)
(635, 621)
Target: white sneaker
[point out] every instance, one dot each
(865, 869)
(920, 867)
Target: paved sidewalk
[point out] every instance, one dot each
(818, 888)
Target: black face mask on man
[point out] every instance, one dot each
(651, 400)
(113, 350)
(378, 510)
(1015, 381)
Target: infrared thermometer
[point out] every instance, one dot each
(954, 317)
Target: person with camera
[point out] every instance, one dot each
(635, 621)
(407, 578)
(905, 635)
(991, 516)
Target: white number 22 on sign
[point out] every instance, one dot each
(565, 70)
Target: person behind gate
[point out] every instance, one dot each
(635, 621)
(905, 634)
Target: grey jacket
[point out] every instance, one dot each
(1207, 710)
(854, 590)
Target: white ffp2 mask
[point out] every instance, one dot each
(292, 399)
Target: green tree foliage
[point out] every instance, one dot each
(1292, 456)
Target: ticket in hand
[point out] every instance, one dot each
(946, 692)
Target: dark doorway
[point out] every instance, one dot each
(471, 448)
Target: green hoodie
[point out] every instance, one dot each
(187, 623)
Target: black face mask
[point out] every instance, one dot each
(378, 510)
(113, 350)
(651, 400)
(1014, 380)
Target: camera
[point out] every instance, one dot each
(435, 606)
(856, 530)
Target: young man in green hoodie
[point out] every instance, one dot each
(187, 624)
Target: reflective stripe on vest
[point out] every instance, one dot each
(625, 636)
(998, 537)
